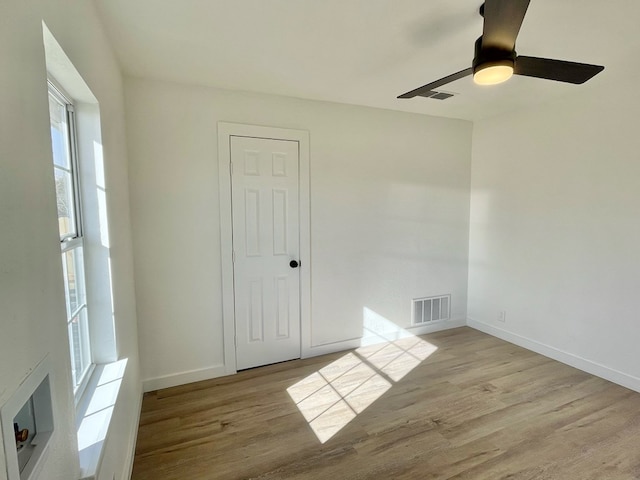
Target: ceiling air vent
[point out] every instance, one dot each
(436, 95)
(431, 309)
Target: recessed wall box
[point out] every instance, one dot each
(27, 424)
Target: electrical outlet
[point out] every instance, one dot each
(502, 316)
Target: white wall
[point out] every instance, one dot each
(32, 309)
(555, 231)
(389, 216)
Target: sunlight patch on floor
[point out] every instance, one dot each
(334, 395)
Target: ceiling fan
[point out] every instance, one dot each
(495, 59)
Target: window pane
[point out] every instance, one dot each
(73, 265)
(59, 133)
(84, 342)
(76, 354)
(66, 205)
(79, 343)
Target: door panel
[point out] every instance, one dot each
(265, 215)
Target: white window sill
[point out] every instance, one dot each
(94, 413)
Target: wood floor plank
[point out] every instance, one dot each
(457, 404)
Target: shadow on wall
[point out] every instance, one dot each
(334, 395)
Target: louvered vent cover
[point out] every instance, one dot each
(431, 309)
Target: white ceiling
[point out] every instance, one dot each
(364, 52)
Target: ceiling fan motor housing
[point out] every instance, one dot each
(491, 56)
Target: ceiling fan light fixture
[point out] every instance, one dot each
(495, 59)
(492, 73)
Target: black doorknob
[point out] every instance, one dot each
(294, 264)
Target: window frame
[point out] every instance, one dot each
(74, 241)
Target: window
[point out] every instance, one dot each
(65, 167)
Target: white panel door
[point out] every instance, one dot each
(266, 247)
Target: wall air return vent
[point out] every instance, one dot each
(431, 309)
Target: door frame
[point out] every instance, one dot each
(227, 130)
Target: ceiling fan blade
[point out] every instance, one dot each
(438, 83)
(558, 70)
(502, 21)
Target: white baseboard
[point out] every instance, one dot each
(352, 343)
(182, 378)
(437, 326)
(133, 439)
(331, 347)
(570, 359)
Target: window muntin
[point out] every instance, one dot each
(65, 165)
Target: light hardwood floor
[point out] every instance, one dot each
(469, 406)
